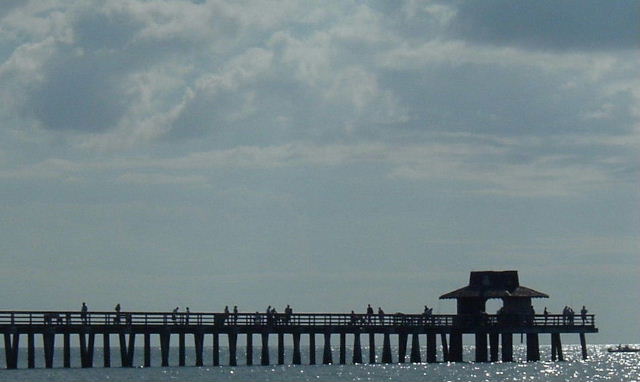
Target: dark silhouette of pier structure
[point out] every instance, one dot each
(493, 332)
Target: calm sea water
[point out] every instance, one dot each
(601, 366)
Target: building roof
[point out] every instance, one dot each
(494, 284)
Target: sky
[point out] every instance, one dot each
(326, 155)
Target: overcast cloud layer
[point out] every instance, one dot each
(324, 154)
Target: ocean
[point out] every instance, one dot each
(601, 366)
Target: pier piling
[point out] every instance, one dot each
(415, 348)
(507, 347)
(481, 347)
(431, 348)
(327, 357)
(264, 359)
(357, 349)
(386, 349)
(312, 348)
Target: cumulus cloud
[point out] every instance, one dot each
(248, 81)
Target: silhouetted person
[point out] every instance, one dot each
(381, 315)
(354, 318)
(174, 313)
(83, 313)
(546, 315)
(583, 314)
(287, 313)
(235, 314)
(117, 318)
(187, 314)
(369, 313)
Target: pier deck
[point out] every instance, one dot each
(488, 329)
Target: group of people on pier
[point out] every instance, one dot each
(272, 317)
(568, 315)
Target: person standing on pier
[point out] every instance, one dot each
(583, 314)
(287, 313)
(235, 314)
(174, 313)
(369, 313)
(83, 313)
(116, 320)
(187, 316)
(546, 315)
(381, 315)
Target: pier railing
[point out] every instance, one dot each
(53, 318)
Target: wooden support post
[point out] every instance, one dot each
(386, 349)
(455, 347)
(312, 348)
(507, 347)
(415, 348)
(533, 347)
(555, 338)
(86, 348)
(583, 345)
(327, 357)
(216, 349)
(372, 347)
(445, 348)
(297, 359)
(264, 359)
(431, 348)
(123, 349)
(165, 341)
(83, 348)
(130, 349)
(357, 348)
(343, 348)
(91, 344)
(249, 350)
(106, 346)
(182, 350)
(48, 340)
(198, 340)
(402, 346)
(493, 346)
(11, 349)
(31, 358)
(554, 349)
(481, 347)
(66, 350)
(233, 338)
(281, 348)
(147, 349)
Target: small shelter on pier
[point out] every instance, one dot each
(484, 285)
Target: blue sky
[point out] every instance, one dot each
(325, 155)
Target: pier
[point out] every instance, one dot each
(493, 332)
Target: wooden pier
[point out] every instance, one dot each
(493, 334)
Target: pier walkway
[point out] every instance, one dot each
(493, 334)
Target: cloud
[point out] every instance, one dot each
(550, 25)
(482, 163)
(161, 179)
